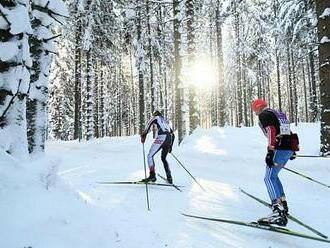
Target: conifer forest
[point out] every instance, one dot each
(86, 69)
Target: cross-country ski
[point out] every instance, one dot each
(289, 215)
(142, 183)
(263, 227)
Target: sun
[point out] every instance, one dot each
(202, 74)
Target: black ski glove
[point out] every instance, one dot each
(170, 149)
(143, 137)
(269, 158)
(293, 156)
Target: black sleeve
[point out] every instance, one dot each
(266, 119)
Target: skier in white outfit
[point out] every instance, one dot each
(163, 141)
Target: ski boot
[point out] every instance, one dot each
(285, 207)
(169, 178)
(277, 217)
(151, 178)
(168, 174)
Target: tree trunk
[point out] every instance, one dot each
(151, 64)
(324, 60)
(313, 96)
(193, 112)
(294, 89)
(259, 78)
(134, 98)
(140, 64)
(291, 117)
(102, 97)
(35, 132)
(96, 100)
(305, 91)
(238, 66)
(221, 104)
(13, 89)
(278, 80)
(89, 96)
(77, 81)
(177, 71)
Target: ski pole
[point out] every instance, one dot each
(307, 177)
(187, 171)
(145, 176)
(309, 156)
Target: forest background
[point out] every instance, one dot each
(84, 69)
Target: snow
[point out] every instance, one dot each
(10, 80)
(43, 17)
(57, 6)
(18, 18)
(325, 13)
(8, 50)
(13, 137)
(130, 14)
(54, 201)
(324, 39)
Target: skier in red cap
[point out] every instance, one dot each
(276, 128)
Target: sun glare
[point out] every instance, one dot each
(202, 74)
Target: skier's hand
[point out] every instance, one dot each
(170, 149)
(269, 158)
(143, 137)
(293, 156)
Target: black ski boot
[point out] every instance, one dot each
(169, 178)
(151, 178)
(285, 208)
(277, 217)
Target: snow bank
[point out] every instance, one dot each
(39, 210)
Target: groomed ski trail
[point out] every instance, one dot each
(221, 160)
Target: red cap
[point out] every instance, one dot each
(258, 104)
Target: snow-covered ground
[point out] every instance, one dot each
(55, 201)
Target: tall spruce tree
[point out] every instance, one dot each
(323, 14)
(14, 75)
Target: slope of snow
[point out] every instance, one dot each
(56, 202)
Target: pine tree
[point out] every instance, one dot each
(323, 13)
(76, 21)
(14, 76)
(42, 51)
(191, 49)
(177, 71)
(140, 57)
(221, 88)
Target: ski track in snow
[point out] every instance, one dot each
(221, 159)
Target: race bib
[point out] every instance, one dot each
(284, 123)
(285, 129)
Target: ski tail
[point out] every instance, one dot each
(262, 227)
(289, 215)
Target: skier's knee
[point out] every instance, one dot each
(269, 180)
(150, 155)
(150, 159)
